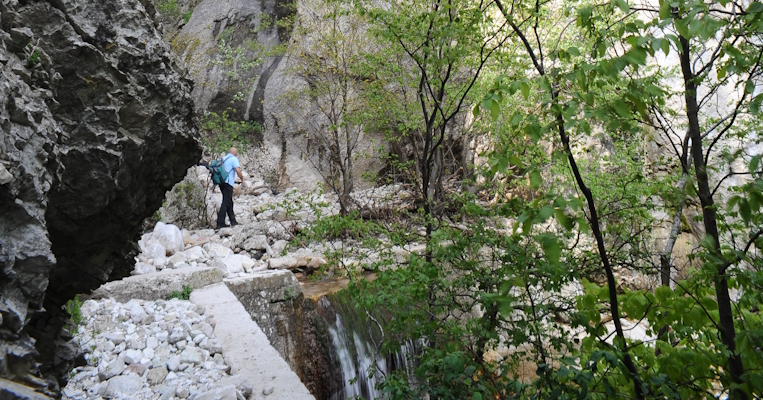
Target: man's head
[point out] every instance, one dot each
(233, 151)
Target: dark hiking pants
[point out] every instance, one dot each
(226, 208)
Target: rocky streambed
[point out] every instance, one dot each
(150, 350)
(137, 344)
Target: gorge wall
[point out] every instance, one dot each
(97, 123)
(238, 54)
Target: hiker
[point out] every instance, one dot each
(230, 162)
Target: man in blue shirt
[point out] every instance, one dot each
(230, 162)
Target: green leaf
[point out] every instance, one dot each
(544, 213)
(495, 110)
(477, 396)
(623, 5)
(563, 219)
(525, 88)
(755, 7)
(749, 87)
(573, 51)
(754, 162)
(755, 103)
(663, 293)
(476, 110)
(621, 108)
(535, 179)
(745, 211)
(551, 248)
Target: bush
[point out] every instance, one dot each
(169, 8)
(220, 132)
(185, 294)
(73, 308)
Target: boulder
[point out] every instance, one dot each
(170, 237)
(237, 263)
(285, 262)
(195, 253)
(192, 355)
(124, 386)
(177, 258)
(217, 250)
(256, 242)
(155, 376)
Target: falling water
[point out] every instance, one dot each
(360, 365)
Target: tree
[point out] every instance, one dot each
(446, 46)
(709, 37)
(325, 52)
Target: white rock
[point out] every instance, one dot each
(256, 242)
(173, 362)
(285, 262)
(123, 386)
(111, 369)
(132, 356)
(148, 353)
(153, 249)
(237, 263)
(192, 355)
(170, 237)
(279, 246)
(198, 338)
(195, 253)
(143, 268)
(177, 258)
(223, 393)
(217, 250)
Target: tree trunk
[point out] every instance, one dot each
(710, 221)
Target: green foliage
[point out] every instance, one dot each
(187, 16)
(184, 294)
(33, 58)
(73, 307)
(570, 106)
(220, 132)
(169, 8)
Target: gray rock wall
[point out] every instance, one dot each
(97, 123)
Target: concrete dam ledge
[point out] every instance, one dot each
(246, 349)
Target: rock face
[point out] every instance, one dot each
(234, 50)
(97, 124)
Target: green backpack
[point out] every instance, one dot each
(219, 174)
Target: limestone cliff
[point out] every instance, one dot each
(96, 124)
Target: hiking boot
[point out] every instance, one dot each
(232, 224)
(222, 226)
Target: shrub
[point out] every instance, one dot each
(73, 308)
(220, 132)
(185, 294)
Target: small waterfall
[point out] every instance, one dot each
(355, 355)
(355, 364)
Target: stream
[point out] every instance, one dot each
(351, 343)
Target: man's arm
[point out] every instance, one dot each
(240, 175)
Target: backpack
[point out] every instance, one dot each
(219, 174)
